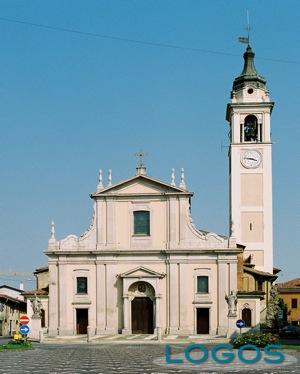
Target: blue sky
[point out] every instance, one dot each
(71, 104)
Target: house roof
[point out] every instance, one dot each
(293, 283)
(251, 294)
(38, 292)
(41, 270)
(11, 288)
(259, 273)
(276, 270)
(167, 186)
(12, 299)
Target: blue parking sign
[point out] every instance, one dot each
(24, 329)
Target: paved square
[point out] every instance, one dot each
(107, 358)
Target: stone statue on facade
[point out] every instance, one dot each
(232, 303)
(36, 307)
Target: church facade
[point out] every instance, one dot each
(143, 267)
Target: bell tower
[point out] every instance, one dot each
(250, 165)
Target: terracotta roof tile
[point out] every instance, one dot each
(294, 283)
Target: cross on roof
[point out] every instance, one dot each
(140, 155)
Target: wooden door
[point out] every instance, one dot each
(142, 315)
(202, 320)
(82, 321)
(246, 316)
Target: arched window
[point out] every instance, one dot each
(246, 316)
(141, 222)
(251, 133)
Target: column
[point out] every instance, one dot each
(65, 320)
(174, 300)
(100, 295)
(222, 291)
(111, 318)
(110, 222)
(233, 275)
(126, 303)
(53, 300)
(173, 219)
(157, 311)
(186, 324)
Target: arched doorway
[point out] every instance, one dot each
(246, 316)
(142, 308)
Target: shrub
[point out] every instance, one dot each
(16, 345)
(256, 338)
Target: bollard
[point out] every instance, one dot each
(89, 334)
(41, 336)
(158, 332)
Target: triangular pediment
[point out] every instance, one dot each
(141, 272)
(141, 184)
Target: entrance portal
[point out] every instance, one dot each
(142, 315)
(202, 320)
(82, 321)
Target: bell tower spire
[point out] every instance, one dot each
(249, 75)
(250, 163)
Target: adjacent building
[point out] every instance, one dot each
(289, 292)
(12, 305)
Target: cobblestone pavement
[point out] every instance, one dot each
(114, 358)
(137, 338)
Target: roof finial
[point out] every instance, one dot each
(100, 183)
(52, 230)
(173, 177)
(141, 168)
(232, 229)
(52, 239)
(232, 238)
(182, 181)
(109, 178)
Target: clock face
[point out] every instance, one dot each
(251, 159)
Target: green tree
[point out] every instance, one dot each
(273, 308)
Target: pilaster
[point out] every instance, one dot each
(222, 292)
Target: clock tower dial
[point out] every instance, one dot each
(250, 164)
(251, 159)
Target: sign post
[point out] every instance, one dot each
(240, 324)
(23, 328)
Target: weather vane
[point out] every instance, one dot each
(140, 155)
(243, 39)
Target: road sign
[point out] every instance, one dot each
(240, 323)
(24, 320)
(24, 329)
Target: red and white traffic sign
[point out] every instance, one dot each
(24, 320)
